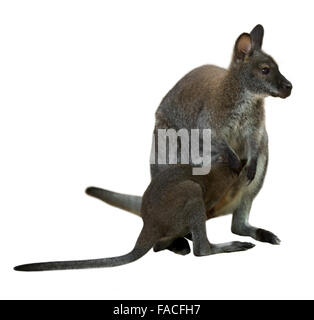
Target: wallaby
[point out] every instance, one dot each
(230, 102)
(176, 204)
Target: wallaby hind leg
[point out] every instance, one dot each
(195, 213)
(201, 245)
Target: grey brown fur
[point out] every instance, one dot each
(176, 204)
(231, 103)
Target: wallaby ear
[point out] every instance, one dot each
(243, 46)
(257, 35)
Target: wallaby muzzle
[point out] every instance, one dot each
(285, 87)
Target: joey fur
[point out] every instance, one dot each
(231, 103)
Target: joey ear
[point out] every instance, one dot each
(243, 46)
(257, 35)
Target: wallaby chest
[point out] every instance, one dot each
(245, 119)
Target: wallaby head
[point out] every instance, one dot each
(257, 71)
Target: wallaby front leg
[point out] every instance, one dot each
(253, 150)
(241, 226)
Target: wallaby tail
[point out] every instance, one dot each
(141, 248)
(123, 201)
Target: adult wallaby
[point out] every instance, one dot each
(176, 204)
(230, 102)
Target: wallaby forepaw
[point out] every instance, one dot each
(251, 172)
(267, 236)
(235, 164)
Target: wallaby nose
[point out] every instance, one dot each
(287, 85)
(286, 88)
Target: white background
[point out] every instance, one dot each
(79, 84)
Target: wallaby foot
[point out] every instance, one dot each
(257, 234)
(189, 236)
(179, 246)
(233, 246)
(227, 247)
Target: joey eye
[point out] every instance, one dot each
(265, 70)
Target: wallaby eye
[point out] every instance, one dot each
(265, 70)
